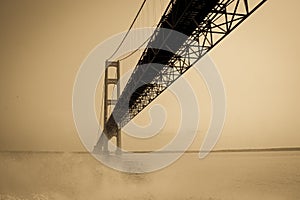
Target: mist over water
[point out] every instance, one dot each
(220, 176)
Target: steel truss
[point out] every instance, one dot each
(225, 16)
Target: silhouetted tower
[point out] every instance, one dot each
(111, 78)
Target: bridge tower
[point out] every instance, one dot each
(111, 77)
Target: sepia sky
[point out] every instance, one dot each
(43, 44)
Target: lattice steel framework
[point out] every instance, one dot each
(218, 19)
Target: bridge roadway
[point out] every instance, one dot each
(183, 16)
(205, 23)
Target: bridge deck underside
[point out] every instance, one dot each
(204, 22)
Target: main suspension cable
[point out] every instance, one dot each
(128, 30)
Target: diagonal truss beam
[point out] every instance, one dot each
(220, 21)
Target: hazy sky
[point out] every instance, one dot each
(43, 44)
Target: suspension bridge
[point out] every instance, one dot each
(205, 23)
